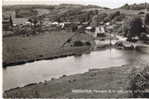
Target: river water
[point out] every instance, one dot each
(39, 71)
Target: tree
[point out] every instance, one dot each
(133, 27)
(11, 22)
(126, 6)
(146, 19)
(37, 24)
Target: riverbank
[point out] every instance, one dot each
(76, 51)
(22, 49)
(92, 84)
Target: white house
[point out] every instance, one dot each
(99, 30)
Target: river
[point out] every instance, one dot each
(39, 71)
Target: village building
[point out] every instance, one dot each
(7, 23)
(95, 31)
(62, 25)
(99, 31)
(7, 20)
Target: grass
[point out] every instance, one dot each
(45, 45)
(115, 78)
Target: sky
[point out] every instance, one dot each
(103, 3)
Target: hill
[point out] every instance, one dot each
(136, 6)
(54, 12)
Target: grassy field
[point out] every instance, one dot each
(97, 80)
(46, 45)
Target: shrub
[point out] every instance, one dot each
(78, 43)
(139, 82)
(126, 6)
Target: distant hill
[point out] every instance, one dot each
(16, 7)
(71, 12)
(62, 12)
(136, 6)
(50, 7)
(74, 12)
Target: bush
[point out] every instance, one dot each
(139, 82)
(78, 43)
(126, 6)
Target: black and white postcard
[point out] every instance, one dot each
(68, 49)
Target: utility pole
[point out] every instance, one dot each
(145, 7)
(145, 10)
(110, 39)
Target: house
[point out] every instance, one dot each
(95, 31)
(88, 30)
(9, 16)
(54, 23)
(7, 20)
(7, 23)
(62, 25)
(99, 31)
